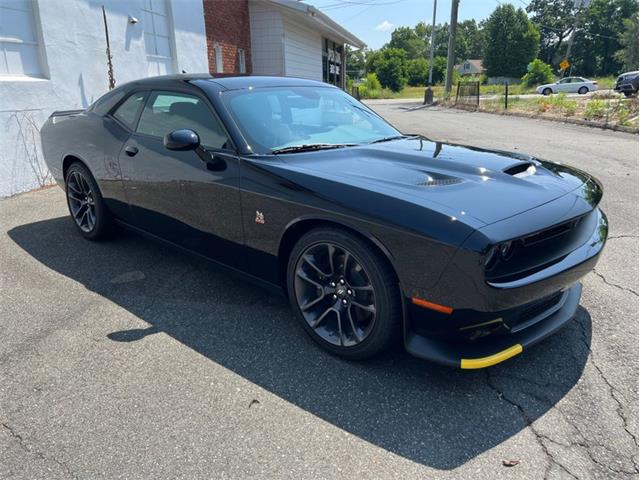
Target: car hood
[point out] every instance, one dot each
(459, 181)
(546, 85)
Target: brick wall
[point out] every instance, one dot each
(227, 25)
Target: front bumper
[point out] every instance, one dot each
(624, 87)
(489, 323)
(497, 348)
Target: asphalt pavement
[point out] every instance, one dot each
(127, 359)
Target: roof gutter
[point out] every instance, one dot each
(323, 20)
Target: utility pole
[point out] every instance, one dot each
(451, 54)
(428, 94)
(433, 42)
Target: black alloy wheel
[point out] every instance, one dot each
(85, 202)
(344, 293)
(81, 202)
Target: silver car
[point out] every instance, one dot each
(569, 85)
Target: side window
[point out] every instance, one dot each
(128, 110)
(169, 111)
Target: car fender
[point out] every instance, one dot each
(343, 222)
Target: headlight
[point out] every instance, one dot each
(506, 249)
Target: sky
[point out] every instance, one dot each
(373, 20)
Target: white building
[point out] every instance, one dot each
(53, 57)
(293, 39)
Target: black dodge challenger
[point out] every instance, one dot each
(467, 255)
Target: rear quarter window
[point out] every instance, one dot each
(128, 111)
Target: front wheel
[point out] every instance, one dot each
(344, 293)
(85, 203)
(546, 92)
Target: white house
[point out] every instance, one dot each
(53, 57)
(294, 39)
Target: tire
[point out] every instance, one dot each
(628, 94)
(86, 205)
(583, 90)
(546, 92)
(339, 317)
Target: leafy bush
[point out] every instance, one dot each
(538, 73)
(418, 72)
(390, 66)
(570, 108)
(371, 87)
(440, 69)
(595, 109)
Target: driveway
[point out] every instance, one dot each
(127, 359)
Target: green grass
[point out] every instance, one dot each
(438, 90)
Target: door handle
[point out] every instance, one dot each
(131, 150)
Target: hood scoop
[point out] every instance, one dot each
(521, 169)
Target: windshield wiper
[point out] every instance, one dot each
(311, 147)
(388, 139)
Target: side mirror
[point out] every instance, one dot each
(182, 140)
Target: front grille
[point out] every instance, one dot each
(539, 250)
(550, 233)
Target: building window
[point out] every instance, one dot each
(19, 50)
(157, 37)
(332, 63)
(218, 52)
(242, 66)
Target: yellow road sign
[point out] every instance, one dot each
(564, 64)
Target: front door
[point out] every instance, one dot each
(175, 194)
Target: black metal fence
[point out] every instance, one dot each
(468, 93)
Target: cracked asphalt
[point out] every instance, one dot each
(126, 359)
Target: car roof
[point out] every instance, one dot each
(229, 82)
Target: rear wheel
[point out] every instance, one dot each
(583, 90)
(85, 203)
(344, 293)
(547, 92)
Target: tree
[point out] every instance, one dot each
(439, 69)
(406, 38)
(555, 20)
(628, 56)
(418, 72)
(512, 42)
(389, 64)
(598, 39)
(469, 41)
(538, 73)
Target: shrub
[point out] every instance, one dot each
(417, 72)
(570, 108)
(558, 104)
(595, 109)
(390, 67)
(538, 73)
(371, 87)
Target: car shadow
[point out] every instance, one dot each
(429, 414)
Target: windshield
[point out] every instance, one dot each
(284, 117)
